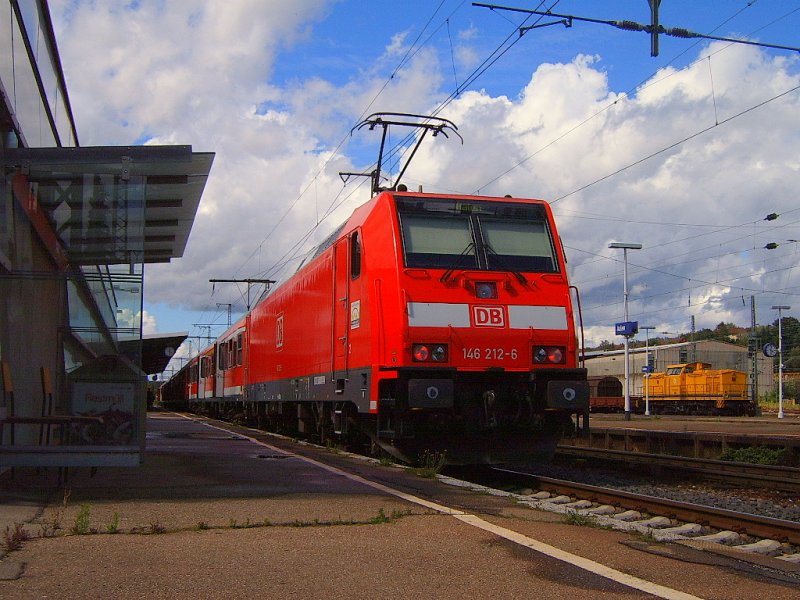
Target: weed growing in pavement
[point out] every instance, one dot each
(13, 538)
(380, 518)
(386, 460)
(156, 527)
(648, 537)
(575, 518)
(50, 527)
(113, 526)
(332, 446)
(431, 463)
(81, 525)
(233, 524)
(299, 523)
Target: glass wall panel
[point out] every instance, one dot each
(48, 71)
(27, 102)
(6, 55)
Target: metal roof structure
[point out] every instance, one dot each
(156, 350)
(116, 204)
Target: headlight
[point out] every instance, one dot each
(486, 289)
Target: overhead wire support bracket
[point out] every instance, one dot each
(654, 29)
(346, 175)
(427, 123)
(565, 22)
(249, 282)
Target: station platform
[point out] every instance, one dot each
(219, 511)
(764, 425)
(692, 436)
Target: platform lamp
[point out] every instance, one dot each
(625, 247)
(780, 308)
(647, 329)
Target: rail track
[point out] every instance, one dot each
(661, 518)
(717, 518)
(786, 479)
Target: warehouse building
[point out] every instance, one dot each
(720, 355)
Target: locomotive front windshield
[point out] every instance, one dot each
(492, 236)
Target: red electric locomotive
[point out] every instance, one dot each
(426, 322)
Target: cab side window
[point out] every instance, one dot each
(355, 256)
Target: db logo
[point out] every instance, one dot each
(279, 331)
(488, 316)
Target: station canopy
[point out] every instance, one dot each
(156, 350)
(116, 204)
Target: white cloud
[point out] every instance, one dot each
(130, 319)
(202, 76)
(149, 324)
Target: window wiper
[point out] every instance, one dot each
(459, 261)
(502, 263)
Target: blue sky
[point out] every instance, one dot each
(686, 152)
(330, 54)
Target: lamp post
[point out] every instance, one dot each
(780, 308)
(625, 247)
(646, 375)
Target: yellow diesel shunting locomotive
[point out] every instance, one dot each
(697, 389)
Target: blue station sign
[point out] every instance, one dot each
(627, 328)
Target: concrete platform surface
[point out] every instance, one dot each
(764, 425)
(225, 512)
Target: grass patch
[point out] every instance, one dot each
(113, 525)
(648, 537)
(81, 525)
(430, 464)
(380, 518)
(758, 455)
(575, 518)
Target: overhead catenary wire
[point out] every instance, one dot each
(678, 143)
(623, 95)
(340, 198)
(411, 51)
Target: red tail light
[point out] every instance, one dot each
(429, 353)
(554, 355)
